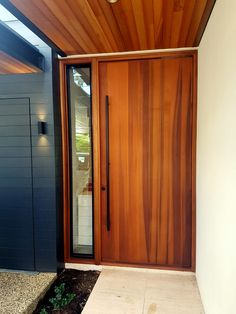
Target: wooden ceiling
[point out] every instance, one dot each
(10, 65)
(95, 26)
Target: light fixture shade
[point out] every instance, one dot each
(42, 127)
(112, 1)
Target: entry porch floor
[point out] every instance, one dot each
(119, 291)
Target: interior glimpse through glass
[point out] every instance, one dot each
(81, 159)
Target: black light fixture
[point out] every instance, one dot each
(42, 127)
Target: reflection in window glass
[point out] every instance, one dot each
(81, 160)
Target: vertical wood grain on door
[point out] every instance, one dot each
(150, 121)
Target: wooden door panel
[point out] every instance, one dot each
(127, 228)
(154, 157)
(127, 168)
(150, 121)
(175, 216)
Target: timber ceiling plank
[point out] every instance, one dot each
(122, 23)
(158, 22)
(96, 29)
(10, 65)
(149, 26)
(40, 14)
(195, 21)
(168, 7)
(186, 20)
(177, 18)
(102, 20)
(128, 13)
(84, 33)
(140, 23)
(96, 26)
(113, 24)
(55, 12)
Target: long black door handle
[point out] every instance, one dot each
(108, 165)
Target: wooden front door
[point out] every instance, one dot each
(146, 161)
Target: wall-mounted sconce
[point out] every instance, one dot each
(42, 127)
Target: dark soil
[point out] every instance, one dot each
(79, 282)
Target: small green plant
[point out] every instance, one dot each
(82, 143)
(43, 311)
(61, 298)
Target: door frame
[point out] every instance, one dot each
(94, 61)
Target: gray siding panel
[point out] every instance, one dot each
(14, 135)
(7, 110)
(14, 130)
(15, 172)
(16, 233)
(15, 141)
(14, 161)
(15, 151)
(13, 120)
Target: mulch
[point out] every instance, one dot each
(79, 282)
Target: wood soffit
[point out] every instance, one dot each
(10, 65)
(95, 26)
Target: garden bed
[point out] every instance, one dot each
(69, 293)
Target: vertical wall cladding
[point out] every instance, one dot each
(38, 87)
(16, 214)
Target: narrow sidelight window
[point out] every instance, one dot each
(79, 92)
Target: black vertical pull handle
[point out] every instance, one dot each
(108, 165)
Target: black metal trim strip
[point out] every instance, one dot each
(108, 165)
(27, 22)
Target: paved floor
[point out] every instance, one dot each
(144, 292)
(19, 291)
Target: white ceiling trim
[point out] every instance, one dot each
(127, 53)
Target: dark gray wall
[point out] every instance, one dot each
(16, 201)
(38, 87)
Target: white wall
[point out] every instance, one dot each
(216, 162)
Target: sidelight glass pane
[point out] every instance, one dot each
(81, 159)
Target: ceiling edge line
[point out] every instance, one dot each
(204, 21)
